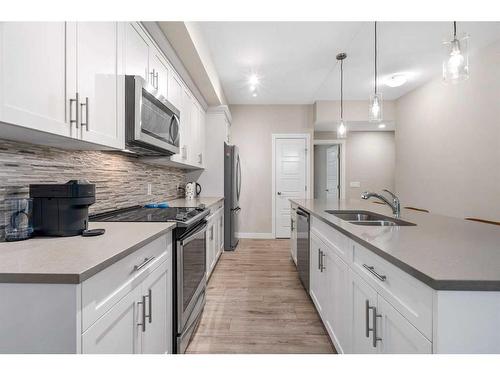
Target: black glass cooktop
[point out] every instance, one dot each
(143, 214)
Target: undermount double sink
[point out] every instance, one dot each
(368, 218)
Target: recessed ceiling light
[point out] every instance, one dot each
(254, 94)
(381, 126)
(253, 88)
(253, 80)
(396, 80)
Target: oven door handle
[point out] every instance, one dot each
(187, 240)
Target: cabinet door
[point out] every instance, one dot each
(33, 76)
(211, 245)
(293, 234)
(175, 91)
(201, 136)
(364, 299)
(116, 332)
(186, 127)
(159, 71)
(315, 277)
(221, 232)
(136, 51)
(194, 155)
(398, 335)
(156, 292)
(97, 82)
(338, 315)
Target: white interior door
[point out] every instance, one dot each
(332, 172)
(290, 180)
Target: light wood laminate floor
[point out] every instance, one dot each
(256, 304)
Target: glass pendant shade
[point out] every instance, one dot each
(456, 59)
(375, 111)
(341, 130)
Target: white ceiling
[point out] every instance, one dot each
(296, 60)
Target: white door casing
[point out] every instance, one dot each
(290, 178)
(332, 172)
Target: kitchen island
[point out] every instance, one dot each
(86, 294)
(433, 287)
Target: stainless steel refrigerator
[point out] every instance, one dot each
(232, 190)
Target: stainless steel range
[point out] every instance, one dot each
(189, 262)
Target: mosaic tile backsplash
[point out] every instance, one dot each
(121, 180)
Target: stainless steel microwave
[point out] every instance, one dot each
(151, 121)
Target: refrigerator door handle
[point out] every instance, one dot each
(236, 209)
(238, 178)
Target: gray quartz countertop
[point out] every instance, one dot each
(443, 252)
(71, 260)
(207, 201)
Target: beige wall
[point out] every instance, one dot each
(370, 160)
(448, 143)
(251, 131)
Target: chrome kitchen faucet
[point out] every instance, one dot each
(394, 205)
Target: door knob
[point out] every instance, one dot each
(279, 192)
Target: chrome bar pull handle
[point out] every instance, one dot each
(322, 261)
(375, 316)
(371, 269)
(143, 318)
(76, 120)
(150, 306)
(86, 105)
(367, 317)
(156, 77)
(319, 259)
(143, 264)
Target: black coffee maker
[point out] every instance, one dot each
(61, 209)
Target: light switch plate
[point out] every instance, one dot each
(355, 184)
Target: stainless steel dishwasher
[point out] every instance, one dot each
(303, 247)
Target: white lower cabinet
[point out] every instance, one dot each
(364, 301)
(156, 293)
(293, 233)
(398, 335)
(356, 316)
(214, 237)
(117, 331)
(141, 322)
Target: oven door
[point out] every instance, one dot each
(155, 120)
(191, 272)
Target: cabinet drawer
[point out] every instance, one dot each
(341, 244)
(106, 288)
(410, 297)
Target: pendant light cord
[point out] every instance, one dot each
(341, 90)
(375, 57)
(454, 29)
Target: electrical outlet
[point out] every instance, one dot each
(149, 188)
(355, 184)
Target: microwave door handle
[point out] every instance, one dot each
(173, 120)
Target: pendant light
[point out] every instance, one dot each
(456, 59)
(341, 127)
(375, 111)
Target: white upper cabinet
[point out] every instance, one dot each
(175, 90)
(158, 71)
(94, 46)
(136, 51)
(33, 76)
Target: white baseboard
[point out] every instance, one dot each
(260, 236)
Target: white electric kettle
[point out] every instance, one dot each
(193, 189)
